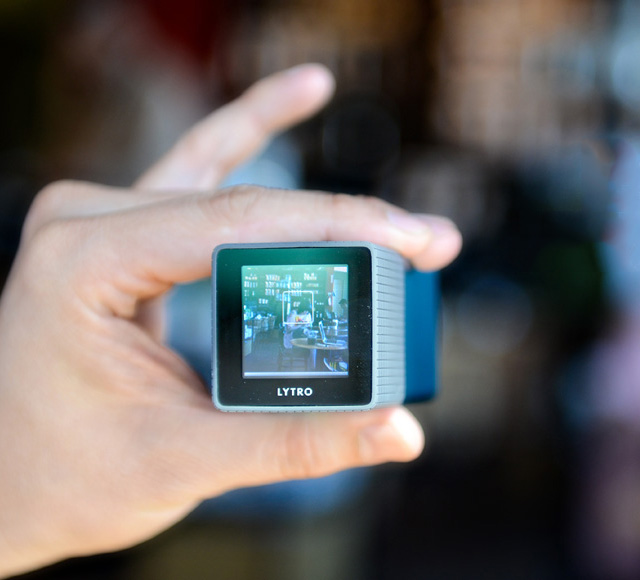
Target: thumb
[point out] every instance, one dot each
(270, 448)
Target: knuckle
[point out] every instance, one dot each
(187, 148)
(47, 205)
(341, 204)
(353, 205)
(196, 146)
(242, 196)
(48, 243)
(57, 189)
(234, 204)
(51, 250)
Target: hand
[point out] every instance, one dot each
(108, 436)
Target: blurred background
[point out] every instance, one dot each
(518, 119)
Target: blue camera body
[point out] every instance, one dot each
(422, 335)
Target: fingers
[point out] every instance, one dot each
(63, 200)
(237, 131)
(269, 448)
(445, 244)
(152, 247)
(205, 154)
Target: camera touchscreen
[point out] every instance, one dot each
(295, 321)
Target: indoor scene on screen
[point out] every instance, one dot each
(295, 321)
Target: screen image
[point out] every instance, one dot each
(295, 321)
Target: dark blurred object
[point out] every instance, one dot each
(459, 185)
(360, 141)
(20, 177)
(25, 29)
(25, 34)
(603, 402)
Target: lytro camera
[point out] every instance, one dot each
(330, 326)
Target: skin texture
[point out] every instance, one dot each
(108, 436)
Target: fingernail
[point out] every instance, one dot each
(440, 226)
(318, 76)
(444, 245)
(409, 223)
(400, 438)
(294, 70)
(307, 66)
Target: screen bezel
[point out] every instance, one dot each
(234, 390)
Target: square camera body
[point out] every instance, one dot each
(319, 327)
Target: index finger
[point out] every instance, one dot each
(235, 132)
(153, 247)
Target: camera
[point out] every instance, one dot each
(323, 326)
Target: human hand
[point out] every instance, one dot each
(108, 436)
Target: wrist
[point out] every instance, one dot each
(26, 541)
(16, 556)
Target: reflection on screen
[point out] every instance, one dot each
(295, 321)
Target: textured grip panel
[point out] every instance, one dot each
(388, 303)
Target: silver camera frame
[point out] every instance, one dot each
(388, 330)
